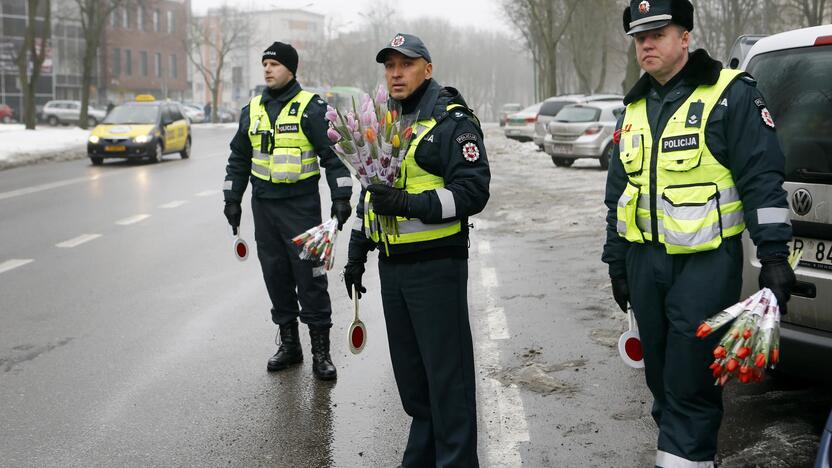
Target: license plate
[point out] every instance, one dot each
(816, 253)
(562, 149)
(114, 148)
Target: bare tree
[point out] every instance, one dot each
(812, 10)
(210, 40)
(94, 15)
(32, 54)
(633, 72)
(542, 24)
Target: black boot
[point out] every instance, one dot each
(322, 365)
(289, 351)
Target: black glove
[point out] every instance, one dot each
(353, 271)
(341, 209)
(388, 200)
(621, 292)
(777, 275)
(233, 212)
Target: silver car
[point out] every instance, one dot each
(583, 131)
(553, 105)
(68, 112)
(520, 125)
(792, 71)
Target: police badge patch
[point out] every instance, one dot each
(766, 115)
(470, 152)
(397, 41)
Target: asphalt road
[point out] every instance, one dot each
(130, 335)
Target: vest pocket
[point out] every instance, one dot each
(626, 214)
(692, 221)
(679, 153)
(631, 152)
(286, 164)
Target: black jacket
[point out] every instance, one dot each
(314, 125)
(441, 153)
(737, 136)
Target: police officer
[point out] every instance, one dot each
(424, 270)
(281, 138)
(697, 162)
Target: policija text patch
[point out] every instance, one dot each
(287, 128)
(680, 143)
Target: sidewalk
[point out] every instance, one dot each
(19, 146)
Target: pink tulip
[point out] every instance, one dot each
(333, 135)
(331, 114)
(381, 95)
(351, 123)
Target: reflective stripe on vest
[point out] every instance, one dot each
(413, 179)
(697, 203)
(292, 157)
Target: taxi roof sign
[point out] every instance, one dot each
(145, 98)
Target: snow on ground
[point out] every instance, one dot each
(19, 146)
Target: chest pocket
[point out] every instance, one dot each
(631, 152)
(681, 147)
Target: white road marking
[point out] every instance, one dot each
(173, 204)
(14, 263)
(207, 193)
(497, 325)
(502, 407)
(132, 220)
(49, 186)
(82, 239)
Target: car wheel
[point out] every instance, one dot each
(96, 161)
(7, 119)
(91, 122)
(157, 155)
(52, 120)
(606, 157)
(186, 151)
(562, 162)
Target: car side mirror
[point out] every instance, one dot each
(734, 63)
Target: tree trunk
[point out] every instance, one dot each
(633, 69)
(602, 76)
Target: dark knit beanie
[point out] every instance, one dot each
(283, 53)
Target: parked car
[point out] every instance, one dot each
(793, 72)
(225, 115)
(553, 105)
(6, 113)
(741, 48)
(824, 459)
(583, 131)
(68, 112)
(145, 128)
(520, 125)
(508, 109)
(193, 113)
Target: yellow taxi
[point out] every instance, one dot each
(142, 129)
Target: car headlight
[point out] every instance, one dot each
(143, 138)
(94, 139)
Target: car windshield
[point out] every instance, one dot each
(576, 114)
(133, 114)
(798, 93)
(552, 108)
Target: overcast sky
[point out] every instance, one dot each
(479, 14)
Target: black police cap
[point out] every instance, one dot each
(644, 15)
(406, 44)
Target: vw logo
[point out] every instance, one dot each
(801, 202)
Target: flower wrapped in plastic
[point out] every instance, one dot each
(753, 342)
(372, 140)
(318, 243)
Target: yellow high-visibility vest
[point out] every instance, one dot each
(413, 179)
(292, 157)
(697, 202)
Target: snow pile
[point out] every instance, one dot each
(19, 146)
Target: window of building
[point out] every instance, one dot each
(128, 62)
(114, 18)
(115, 62)
(171, 23)
(158, 65)
(143, 62)
(156, 21)
(125, 18)
(140, 18)
(174, 71)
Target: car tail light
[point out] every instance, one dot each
(593, 130)
(823, 40)
(531, 119)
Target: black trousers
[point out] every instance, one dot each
(671, 295)
(297, 288)
(426, 312)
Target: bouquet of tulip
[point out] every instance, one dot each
(318, 243)
(752, 342)
(372, 140)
